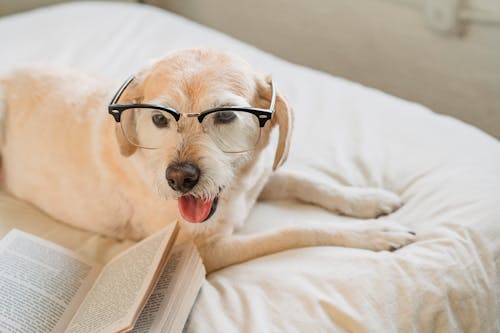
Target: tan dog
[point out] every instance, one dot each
(63, 152)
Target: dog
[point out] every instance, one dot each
(92, 164)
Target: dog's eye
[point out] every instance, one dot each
(160, 120)
(224, 117)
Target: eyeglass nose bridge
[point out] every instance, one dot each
(191, 114)
(180, 125)
(197, 115)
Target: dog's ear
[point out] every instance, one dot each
(283, 117)
(126, 148)
(132, 94)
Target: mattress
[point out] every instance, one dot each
(447, 172)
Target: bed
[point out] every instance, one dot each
(447, 172)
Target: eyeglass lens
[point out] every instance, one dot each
(232, 131)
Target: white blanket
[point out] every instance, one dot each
(448, 174)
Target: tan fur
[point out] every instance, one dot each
(64, 153)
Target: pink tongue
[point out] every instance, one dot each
(194, 210)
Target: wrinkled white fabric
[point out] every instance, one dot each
(448, 174)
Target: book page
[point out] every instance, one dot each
(183, 271)
(121, 290)
(41, 283)
(156, 303)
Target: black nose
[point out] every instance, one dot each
(182, 177)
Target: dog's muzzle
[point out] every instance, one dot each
(183, 177)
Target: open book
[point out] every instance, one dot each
(150, 287)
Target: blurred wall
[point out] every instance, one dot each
(381, 43)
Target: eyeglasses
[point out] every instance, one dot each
(233, 129)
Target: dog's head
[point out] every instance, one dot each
(192, 161)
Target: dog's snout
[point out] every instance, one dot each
(182, 177)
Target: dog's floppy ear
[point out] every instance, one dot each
(126, 148)
(283, 117)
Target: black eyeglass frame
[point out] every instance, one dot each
(116, 110)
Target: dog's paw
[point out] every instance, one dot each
(371, 203)
(387, 236)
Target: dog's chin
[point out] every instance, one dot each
(196, 210)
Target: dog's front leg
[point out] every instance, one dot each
(352, 201)
(377, 236)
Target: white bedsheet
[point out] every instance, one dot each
(447, 172)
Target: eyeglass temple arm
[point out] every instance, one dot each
(273, 96)
(120, 91)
